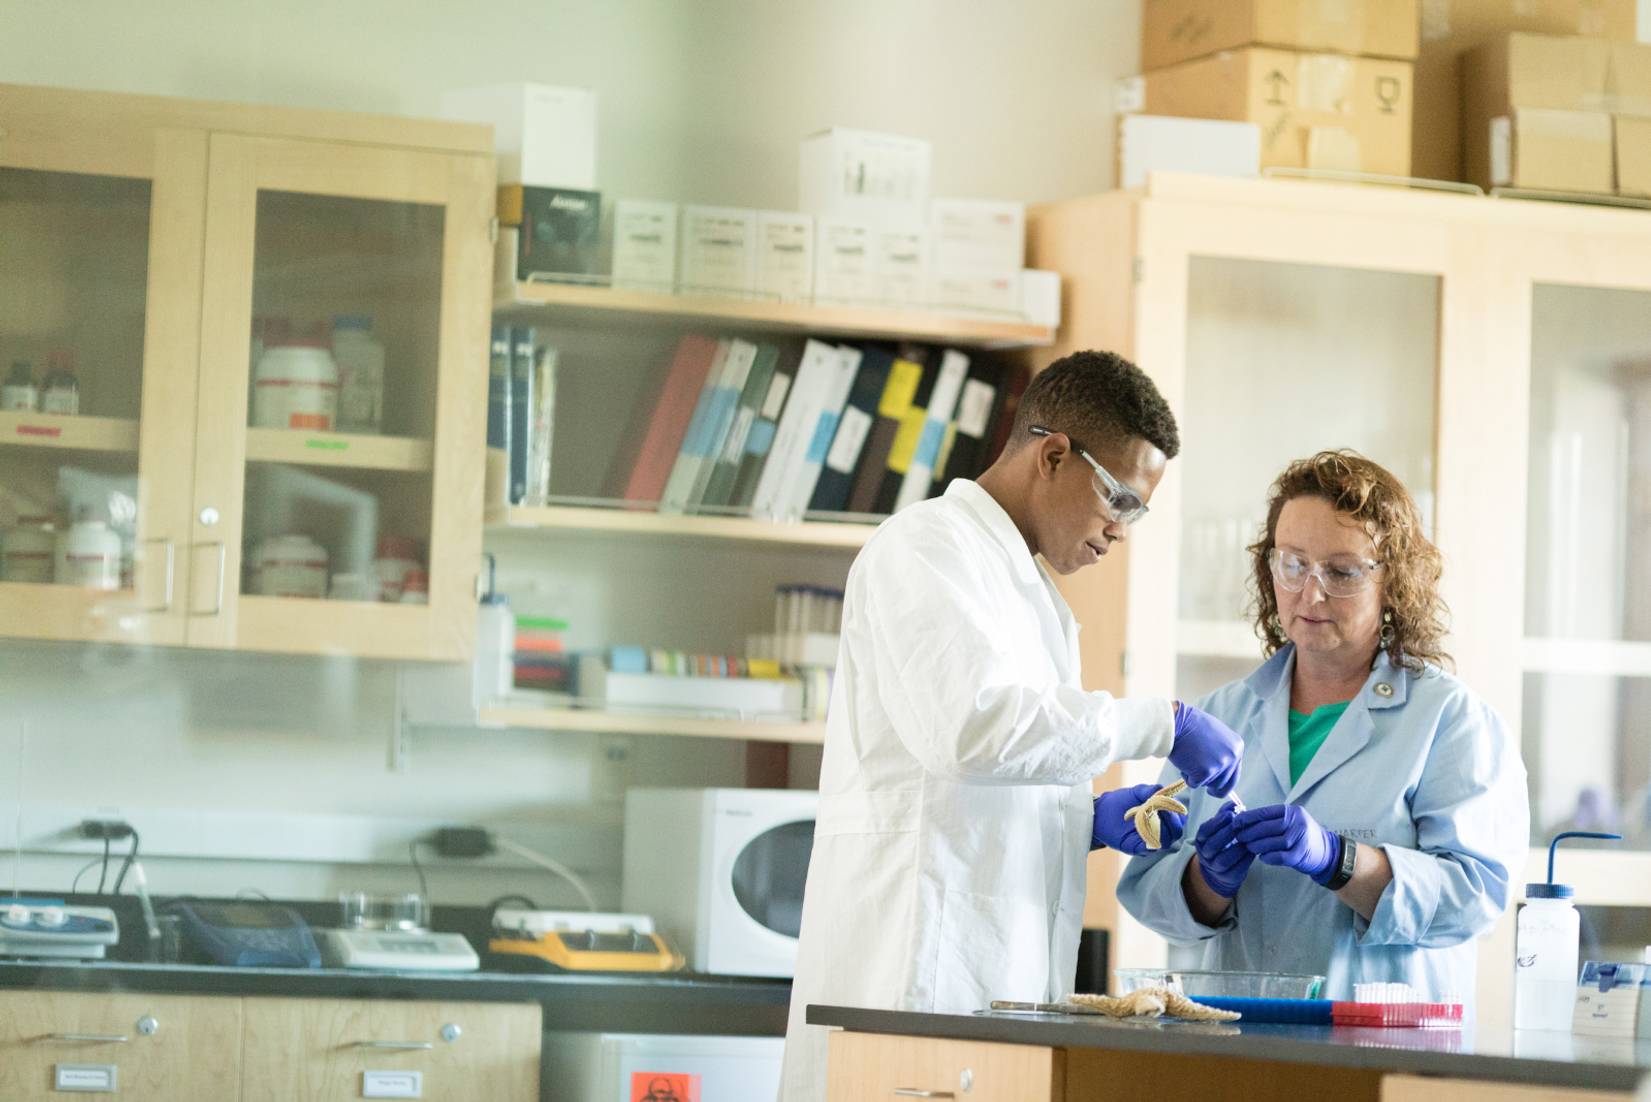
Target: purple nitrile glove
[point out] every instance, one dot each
(1113, 830)
(1287, 836)
(1223, 861)
(1206, 751)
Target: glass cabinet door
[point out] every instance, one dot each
(96, 301)
(1587, 700)
(337, 482)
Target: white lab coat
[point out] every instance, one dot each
(955, 807)
(1418, 765)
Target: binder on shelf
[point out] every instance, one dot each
(706, 433)
(820, 365)
(640, 473)
(905, 374)
(719, 487)
(498, 391)
(909, 432)
(831, 493)
(696, 424)
(825, 431)
(976, 409)
(1014, 385)
(919, 477)
(521, 408)
(542, 424)
(760, 440)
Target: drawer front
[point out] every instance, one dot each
(147, 1047)
(863, 1067)
(322, 1050)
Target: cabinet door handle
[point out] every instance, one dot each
(913, 1092)
(397, 1046)
(223, 565)
(87, 1038)
(171, 573)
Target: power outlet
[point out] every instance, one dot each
(610, 768)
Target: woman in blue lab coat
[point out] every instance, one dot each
(1382, 804)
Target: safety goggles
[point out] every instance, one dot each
(1338, 576)
(1124, 504)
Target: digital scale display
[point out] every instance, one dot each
(408, 945)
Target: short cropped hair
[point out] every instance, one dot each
(1096, 397)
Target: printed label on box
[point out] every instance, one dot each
(653, 1086)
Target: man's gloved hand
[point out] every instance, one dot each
(1287, 836)
(1221, 857)
(1206, 751)
(1113, 830)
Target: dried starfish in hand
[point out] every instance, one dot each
(1146, 815)
(1153, 1002)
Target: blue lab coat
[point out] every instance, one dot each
(1417, 765)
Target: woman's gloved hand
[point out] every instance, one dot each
(1287, 836)
(1221, 857)
(1113, 830)
(1206, 751)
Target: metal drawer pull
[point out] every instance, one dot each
(87, 1038)
(223, 565)
(171, 574)
(913, 1092)
(397, 1046)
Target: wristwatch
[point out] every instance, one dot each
(1344, 864)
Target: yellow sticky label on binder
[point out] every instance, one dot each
(906, 439)
(901, 388)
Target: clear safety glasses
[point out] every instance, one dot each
(1339, 576)
(1124, 504)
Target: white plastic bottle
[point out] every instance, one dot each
(495, 666)
(360, 360)
(1547, 944)
(295, 386)
(88, 555)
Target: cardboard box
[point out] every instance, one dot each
(1633, 145)
(719, 251)
(1173, 31)
(1450, 28)
(976, 235)
(559, 229)
(996, 293)
(644, 245)
(1629, 78)
(878, 178)
(845, 268)
(1160, 143)
(545, 136)
(901, 258)
(785, 256)
(1541, 149)
(1315, 110)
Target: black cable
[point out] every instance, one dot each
(74, 885)
(131, 855)
(423, 886)
(104, 873)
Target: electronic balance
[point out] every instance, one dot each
(398, 950)
(53, 928)
(581, 941)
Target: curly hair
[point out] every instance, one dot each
(1095, 397)
(1362, 490)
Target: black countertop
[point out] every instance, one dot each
(618, 1003)
(1525, 1056)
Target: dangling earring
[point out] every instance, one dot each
(1388, 632)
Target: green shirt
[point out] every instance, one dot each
(1307, 734)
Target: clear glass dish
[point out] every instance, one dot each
(366, 911)
(1228, 985)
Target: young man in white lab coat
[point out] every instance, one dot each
(955, 805)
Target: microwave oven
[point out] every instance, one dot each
(721, 871)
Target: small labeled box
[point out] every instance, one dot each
(845, 270)
(1173, 31)
(1040, 297)
(976, 235)
(545, 136)
(863, 175)
(995, 293)
(785, 256)
(559, 230)
(1208, 147)
(644, 245)
(719, 251)
(902, 261)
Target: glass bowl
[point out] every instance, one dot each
(367, 911)
(1223, 985)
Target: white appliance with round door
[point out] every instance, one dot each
(721, 871)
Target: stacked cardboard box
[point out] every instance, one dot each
(1327, 81)
(1558, 113)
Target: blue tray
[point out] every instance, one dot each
(1289, 1011)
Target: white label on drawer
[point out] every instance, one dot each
(392, 1084)
(86, 1078)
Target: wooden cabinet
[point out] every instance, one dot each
(865, 1066)
(145, 237)
(309, 1050)
(143, 1047)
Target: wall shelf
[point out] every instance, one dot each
(606, 305)
(568, 518)
(625, 723)
(1217, 639)
(337, 449)
(87, 434)
(1607, 657)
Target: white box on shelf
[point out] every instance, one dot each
(644, 245)
(976, 292)
(845, 271)
(719, 251)
(1213, 147)
(1040, 297)
(902, 264)
(977, 235)
(861, 174)
(745, 697)
(785, 256)
(545, 135)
